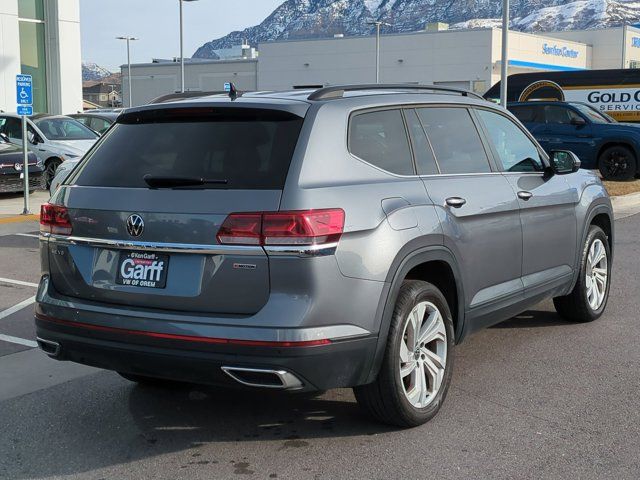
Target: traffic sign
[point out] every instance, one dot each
(24, 90)
(25, 110)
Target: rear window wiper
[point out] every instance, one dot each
(155, 181)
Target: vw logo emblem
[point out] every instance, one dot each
(135, 225)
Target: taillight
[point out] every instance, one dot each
(304, 227)
(55, 219)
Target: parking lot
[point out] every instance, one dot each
(533, 397)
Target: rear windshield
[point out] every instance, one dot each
(243, 148)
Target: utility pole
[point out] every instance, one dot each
(182, 47)
(505, 53)
(128, 39)
(378, 24)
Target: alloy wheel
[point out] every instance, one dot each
(423, 354)
(597, 275)
(616, 163)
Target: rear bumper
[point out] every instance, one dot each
(342, 363)
(13, 183)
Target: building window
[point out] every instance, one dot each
(32, 49)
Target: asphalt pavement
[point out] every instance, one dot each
(534, 397)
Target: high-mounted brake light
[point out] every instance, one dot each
(55, 219)
(303, 227)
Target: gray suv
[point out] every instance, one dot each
(307, 240)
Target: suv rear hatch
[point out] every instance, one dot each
(146, 204)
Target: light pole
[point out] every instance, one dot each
(505, 53)
(378, 24)
(182, 47)
(128, 38)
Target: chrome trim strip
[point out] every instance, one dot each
(302, 251)
(288, 379)
(156, 246)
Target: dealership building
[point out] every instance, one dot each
(469, 59)
(41, 38)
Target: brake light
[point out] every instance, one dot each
(304, 227)
(55, 219)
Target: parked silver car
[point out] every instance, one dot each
(53, 138)
(345, 237)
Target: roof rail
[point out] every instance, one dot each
(338, 91)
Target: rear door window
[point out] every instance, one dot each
(380, 138)
(455, 140)
(245, 148)
(425, 161)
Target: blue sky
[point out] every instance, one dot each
(156, 23)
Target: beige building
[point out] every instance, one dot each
(469, 59)
(151, 80)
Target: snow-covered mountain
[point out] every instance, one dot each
(324, 18)
(93, 72)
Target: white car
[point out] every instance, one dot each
(55, 139)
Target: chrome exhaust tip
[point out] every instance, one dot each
(264, 378)
(50, 348)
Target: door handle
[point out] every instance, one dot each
(525, 196)
(455, 202)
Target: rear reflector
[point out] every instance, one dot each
(55, 219)
(304, 227)
(186, 338)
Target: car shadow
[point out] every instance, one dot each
(533, 319)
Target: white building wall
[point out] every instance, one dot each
(64, 59)
(449, 57)
(607, 45)
(527, 54)
(9, 54)
(151, 80)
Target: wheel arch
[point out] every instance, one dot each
(617, 142)
(436, 265)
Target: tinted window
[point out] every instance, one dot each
(83, 120)
(526, 114)
(559, 115)
(250, 149)
(13, 128)
(60, 128)
(380, 138)
(455, 140)
(592, 114)
(516, 151)
(425, 162)
(99, 125)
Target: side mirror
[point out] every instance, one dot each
(4, 137)
(32, 137)
(564, 162)
(578, 121)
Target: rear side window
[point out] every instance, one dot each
(526, 114)
(248, 149)
(455, 140)
(380, 138)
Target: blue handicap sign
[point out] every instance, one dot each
(24, 90)
(25, 110)
(227, 87)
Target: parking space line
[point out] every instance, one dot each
(20, 219)
(17, 308)
(30, 235)
(18, 282)
(19, 341)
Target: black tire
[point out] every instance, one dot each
(150, 381)
(384, 399)
(51, 167)
(575, 307)
(617, 163)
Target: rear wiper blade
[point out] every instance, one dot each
(176, 182)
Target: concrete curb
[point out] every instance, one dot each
(626, 205)
(19, 219)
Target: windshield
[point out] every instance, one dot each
(592, 114)
(61, 128)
